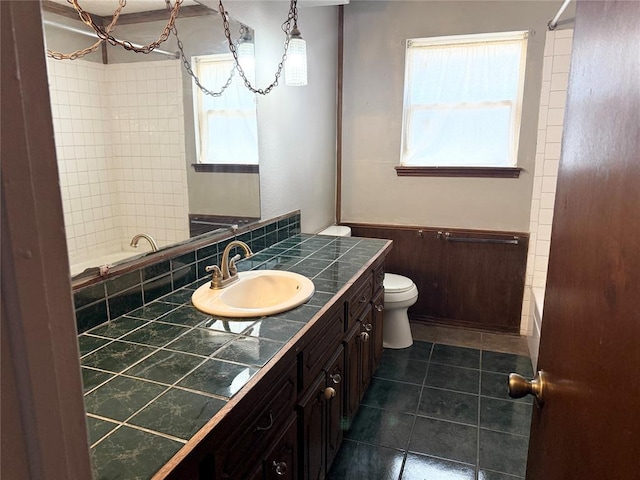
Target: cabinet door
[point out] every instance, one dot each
(312, 421)
(376, 329)
(334, 405)
(352, 371)
(281, 461)
(365, 357)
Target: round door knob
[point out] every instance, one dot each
(329, 393)
(520, 386)
(364, 336)
(336, 378)
(280, 468)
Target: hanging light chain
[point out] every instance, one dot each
(106, 36)
(85, 51)
(286, 27)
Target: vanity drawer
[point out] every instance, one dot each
(359, 300)
(316, 354)
(242, 453)
(378, 278)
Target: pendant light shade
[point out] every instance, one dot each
(296, 64)
(246, 55)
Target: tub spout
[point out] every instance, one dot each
(149, 238)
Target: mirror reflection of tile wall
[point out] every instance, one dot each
(119, 134)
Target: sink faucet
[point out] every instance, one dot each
(149, 238)
(221, 278)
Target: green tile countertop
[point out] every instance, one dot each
(153, 377)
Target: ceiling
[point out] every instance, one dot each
(105, 8)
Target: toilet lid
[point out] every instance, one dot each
(396, 283)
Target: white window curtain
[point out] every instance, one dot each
(463, 100)
(226, 126)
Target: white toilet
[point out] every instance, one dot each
(399, 294)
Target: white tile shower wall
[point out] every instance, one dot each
(120, 144)
(84, 150)
(147, 121)
(555, 74)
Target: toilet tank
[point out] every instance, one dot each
(336, 231)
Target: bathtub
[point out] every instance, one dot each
(107, 259)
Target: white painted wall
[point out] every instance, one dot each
(296, 125)
(373, 81)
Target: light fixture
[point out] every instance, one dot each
(295, 73)
(246, 54)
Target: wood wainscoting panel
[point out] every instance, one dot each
(470, 278)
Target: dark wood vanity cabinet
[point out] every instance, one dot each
(290, 425)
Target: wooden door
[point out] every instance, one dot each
(335, 406)
(589, 426)
(312, 418)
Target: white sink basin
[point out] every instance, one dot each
(256, 294)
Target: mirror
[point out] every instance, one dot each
(130, 133)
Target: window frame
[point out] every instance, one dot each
(445, 170)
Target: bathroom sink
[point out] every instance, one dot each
(256, 294)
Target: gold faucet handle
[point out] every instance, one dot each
(233, 269)
(216, 275)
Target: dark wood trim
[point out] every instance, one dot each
(225, 168)
(475, 233)
(42, 353)
(163, 15)
(340, 88)
(451, 322)
(483, 172)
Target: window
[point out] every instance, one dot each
(463, 100)
(226, 126)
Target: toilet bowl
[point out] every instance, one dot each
(399, 294)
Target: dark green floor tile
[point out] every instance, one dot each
(402, 369)
(152, 311)
(505, 416)
(226, 325)
(118, 327)
(156, 334)
(448, 405)
(360, 461)
(121, 397)
(131, 454)
(503, 452)
(98, 428)
(88, 344)
(453, 378)
(381, 427)
(178, 297)
(278, 330)
(249, 350)
(489, 475)
(456, 356)
(418, 351)
(496, 385)
(389, 395)
(444, 439)
(165, 366)
(178, 413)
(116, 356)
(506, 363)
(186, 315)
(92, 378)
(422, 467)
(201, 342)
(219, 378)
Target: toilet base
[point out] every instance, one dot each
(396, 332)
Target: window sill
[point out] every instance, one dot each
(483, 172)
(225, 168)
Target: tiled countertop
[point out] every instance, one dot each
(155, 376)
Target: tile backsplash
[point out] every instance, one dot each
(113, 297)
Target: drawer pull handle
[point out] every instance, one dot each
(367, 327)
(380, 307)
(280, 468)
(336, 378)
(363, 299)
(329, 393)
(261, 429)
(364, 336)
